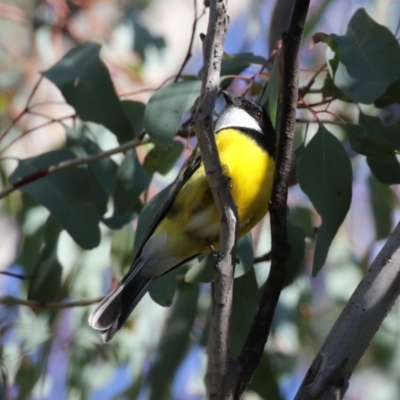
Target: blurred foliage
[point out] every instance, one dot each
(76, 230)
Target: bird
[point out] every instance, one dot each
(187, 224)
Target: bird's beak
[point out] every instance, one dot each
(228, 98)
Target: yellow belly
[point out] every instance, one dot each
(193, 222)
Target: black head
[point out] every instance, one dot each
(250, 118)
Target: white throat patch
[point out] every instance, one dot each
(238, 118)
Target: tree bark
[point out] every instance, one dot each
(259, 331)
(221, 365)
(329, 374)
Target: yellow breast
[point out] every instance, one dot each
(251, 170)
(193, 223)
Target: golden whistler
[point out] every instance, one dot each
(187, 223)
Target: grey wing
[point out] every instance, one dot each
(191, 165)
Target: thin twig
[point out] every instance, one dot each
(70, 164)
(306, 89)
(264, 257)
(320, 121)
(19, 276)
(47, 123)
(189, 50)
(260, 71)
(38, 305)
(255, 342)
(23, 112)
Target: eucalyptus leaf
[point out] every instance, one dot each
(386, 171)
(265, 381)
(368, 145)
(270, 97)
(244, 307)
(245, 254)
(387, 140)
(383, 202)
(234, 64)
(203, 272)
(68, 195)
(325, 175)
(134, 111)
(301, 217)
(144, 38)
(162, 160)
(368, 58)
(86, 85)
(165, 110)
(26, 378)
(163, 291)
(103, 170)
(391, 95)
(47, 285)
(132, 180)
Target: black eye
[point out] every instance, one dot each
(258, 115)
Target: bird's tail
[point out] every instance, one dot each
(115, 308)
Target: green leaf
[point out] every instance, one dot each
(144, 39)
(325, 175)
(163, 291)
(132, 180)
(332, 52)
(245, 254)
(234, 64)
(301, 217)
(162, 160)
(269, 99)
(265, 381)
(383, 202)
(26, 377)
(134, 111)
(368, 145)
(47, 286)
(52, 229)
(392, 95)
(330, 90)
(203, 272)
(67, 194)
(386, 171)
(117, 221)
(369, 56)
(376, 129)
(174, 343)
(32, 234)
(86, 85)
(102, 173)
(244, 307)
(165, 110)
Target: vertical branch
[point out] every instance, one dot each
(220, 365)
(255, 342)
